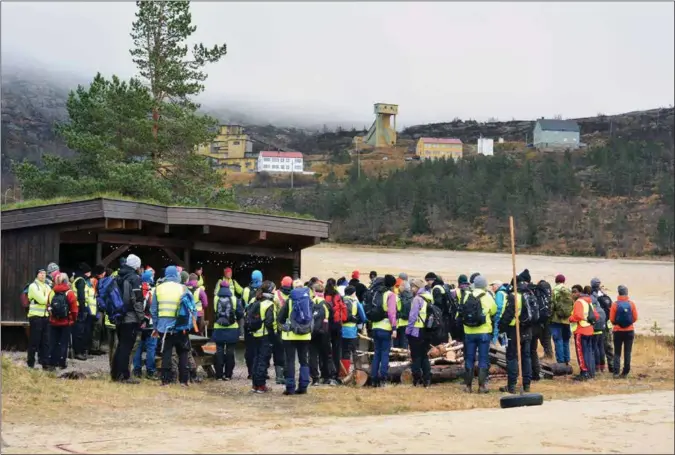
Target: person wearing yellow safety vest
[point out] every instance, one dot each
(235, 287)
(38, 319)
(477, 337)
(200, 298)
(166, 301)
(248, 297)
(228, 311)
(296, 339)
(86, 317)
(417, 338)
(463, 286)
(98, 273)
(263, 314)
(199, 271)
(441, 300)
(403, 304)
(281, 296)
(507, 325)
(582, 329)
(383, 332)
(355, 315)
(320, 345)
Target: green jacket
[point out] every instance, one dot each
(558, 305)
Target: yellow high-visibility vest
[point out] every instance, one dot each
(168, 298)
(38, 293)
(384, 324)
(291, 336)
(89, 294)
(264, 306)
(422, 316)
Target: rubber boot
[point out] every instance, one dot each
(417, 379)
(279, 372)
(468, 379)
(482, 380)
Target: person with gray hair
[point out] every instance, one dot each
(477, 313)
(623, 315)
(405, 298)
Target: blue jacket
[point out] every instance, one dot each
(351, 332)
(500, 300)
(167, 324)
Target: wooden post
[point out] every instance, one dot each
(99, 253)
(515, 301)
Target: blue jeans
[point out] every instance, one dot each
(380, 368)
(150, 345)
(480, 342)
(561, 338)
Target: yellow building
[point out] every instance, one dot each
(230, 149)
(434, 148)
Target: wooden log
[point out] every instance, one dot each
(360, 378)
(407, 376)
(557, 369)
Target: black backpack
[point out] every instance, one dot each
(319, 317)
(406, 303)
(433, 324)
(60, 309)
(472, 311)
(543, 294)
(253, 320)
(350, 303)
(374, 308)
(605, 302)
(225, 314)
(529, 313)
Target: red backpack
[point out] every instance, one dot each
(339, 308)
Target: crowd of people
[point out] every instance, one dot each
(318, 324)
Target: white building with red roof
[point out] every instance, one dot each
(269, 161)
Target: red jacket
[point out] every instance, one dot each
(580, 313)
(72, 301)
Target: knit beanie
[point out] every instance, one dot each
(389, 281)
(39, 270)
(623, 290)
(193, 277)
(480, 282)
(52, 267)
(84, 267)
(560, 278)
(430, 276)
(350, 290)
(133, 261)
(595, 283)
(403, 276)
(286, 282)
(525, 276)
(184, 276)
(473, 277)
(462, 279)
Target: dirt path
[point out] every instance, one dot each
(651, 283)
(639, 423)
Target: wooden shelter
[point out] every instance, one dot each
(101, 230)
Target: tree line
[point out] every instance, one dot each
(611, 199)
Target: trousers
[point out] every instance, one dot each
(301, 348)
(421, 367)
(149, 345)
(585, 356)
(59, 338)
(477, 342)
(224, 361)
(599, 351)
(261, 357)
(320, 353)
(180, 342)
(126, 338)
(38, 342)
(512, 357)
(561, 338)
(623, 341)
(380, 367)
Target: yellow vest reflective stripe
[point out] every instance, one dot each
(290, 336)
(264, 306)
(200, 282)
(198, 301)
(108, 323)
(422, 316)
(168, 298)
(355, 311)
(35, 310)
(519, 302)
(89, 294)
(384, 324)
(583, 323)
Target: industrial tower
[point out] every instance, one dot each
(383, 133)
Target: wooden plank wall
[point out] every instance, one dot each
(23, 251)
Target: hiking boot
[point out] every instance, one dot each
(482, 380)
(227, 379)
(580, 377)
(263, 389)
(150, 375)
(63, 366)
(49, 368)
(249, 377)
(315, 382)
(332, 382)
(616, 376)
(427, 384)
(468, 379)
(130, 381)
(81, 357)
(526, 388)
(288, 392)
(184, 385)
(138, 373)
(508, 389)
(325, 381)
(301, 391)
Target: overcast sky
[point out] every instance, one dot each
(437, 61)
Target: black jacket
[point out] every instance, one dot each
(129, 283)
(360, 288)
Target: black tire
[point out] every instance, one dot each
(517, 401)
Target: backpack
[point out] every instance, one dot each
(350, 302)
(543, 294)
(601, 322)
(301, 320)
(605, 302)
(406, 304)
(565, 303)
(185, 314)
(253, 320)
(624, 314)
(59, 306)
(374, 309)
(433, 323)
(339, 310)
(319, 316)
(472, 311)
(225, 311)
(110, 299)
(591, 319)
(529, 313)
(25, 301)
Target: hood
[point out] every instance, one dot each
(354, 282)
(61, 287)
(125, 271)
(256, 279)
(147, 277)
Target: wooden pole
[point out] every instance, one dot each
(515, 301)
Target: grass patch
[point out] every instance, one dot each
(31, 394)
(64, 200)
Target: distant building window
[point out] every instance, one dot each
(235, 143)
